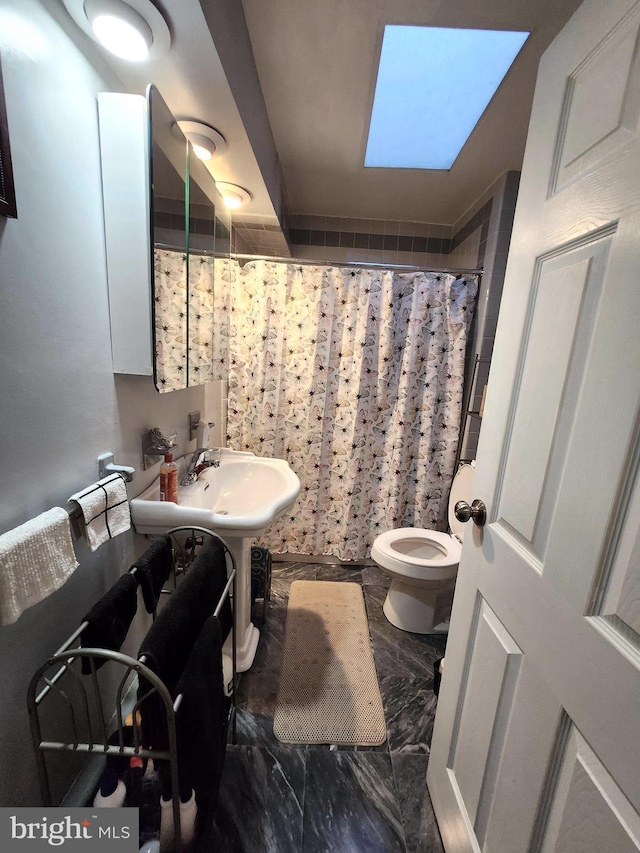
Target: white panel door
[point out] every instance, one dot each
(536, 745)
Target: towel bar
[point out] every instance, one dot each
(91, 694)
(106, 466)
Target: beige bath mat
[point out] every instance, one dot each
(328, 690)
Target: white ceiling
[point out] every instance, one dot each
(191, 80)
(317, 63)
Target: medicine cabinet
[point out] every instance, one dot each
(167, 229)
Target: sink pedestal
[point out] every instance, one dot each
(248, 634)
(238, 501)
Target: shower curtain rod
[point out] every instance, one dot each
(170, 248)
(318, 261)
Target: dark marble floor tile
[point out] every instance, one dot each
(281, 582)
(279, 565)
(339, 747)
(399, 652)
(269, 652)
(294, 571)
(255, 728)
(419, 822)
(260, 805)
(280, 590)
(409, 711)
(339, 573)
(257, 691)
(350, 804)
(374, 576)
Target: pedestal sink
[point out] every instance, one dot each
(238, 501)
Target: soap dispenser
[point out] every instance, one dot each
(169, 479)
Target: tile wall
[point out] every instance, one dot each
(378, 241)
(503, 195)
(259, 235)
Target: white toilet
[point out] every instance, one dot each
(423, 565)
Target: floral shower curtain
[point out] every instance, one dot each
(354, 376)
(203, 340)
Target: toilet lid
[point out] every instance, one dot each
(461, 490)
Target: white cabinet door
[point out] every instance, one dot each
(536, 745)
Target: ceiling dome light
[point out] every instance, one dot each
(233, 195)
(207, 142)
(133, 30)
(120, 29)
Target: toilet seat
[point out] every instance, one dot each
(423, 565)
(403, 551)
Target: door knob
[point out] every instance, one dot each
(477, 511)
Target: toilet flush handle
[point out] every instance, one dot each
(477, 511)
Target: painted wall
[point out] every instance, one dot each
(61, 405)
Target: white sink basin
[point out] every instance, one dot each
(241, 498)
(238, 501)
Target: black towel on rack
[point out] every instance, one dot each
(172, 637)
(153, 569)
(200, 719)
(110, 618)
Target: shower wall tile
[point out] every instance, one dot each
(383, 241)
(346, 239)
(420, 229)
(379, 226)
(493, 247)
(395, 242)
(260, 235)
(466, 253)
(388, 257)
(333, 223)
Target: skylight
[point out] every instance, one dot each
(433, 85)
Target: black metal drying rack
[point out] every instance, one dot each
(90, 700)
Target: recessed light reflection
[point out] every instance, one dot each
(232, 201)
(201, 152)
(120, 38)
(233, 195)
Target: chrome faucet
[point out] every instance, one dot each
(196, 465)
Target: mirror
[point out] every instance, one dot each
(168, 164)
(202, 248)
(190, 232)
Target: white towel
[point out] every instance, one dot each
(105, 509)
(35, 560)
